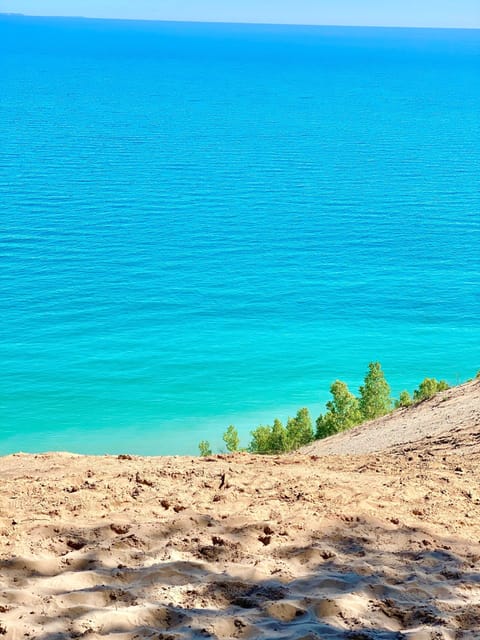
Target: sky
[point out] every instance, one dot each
(410, 13)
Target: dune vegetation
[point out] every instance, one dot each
(344, 411)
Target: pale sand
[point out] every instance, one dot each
(382, 546)
(450, 410)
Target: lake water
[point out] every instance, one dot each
(207, 224)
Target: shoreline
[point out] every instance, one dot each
(455, 408)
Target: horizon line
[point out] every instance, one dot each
(242, 23)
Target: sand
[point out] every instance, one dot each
(455, 409)
(368, 546)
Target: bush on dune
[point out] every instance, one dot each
(344, 411)
(375, 400)
(204, 447)
(405, 400)
(231, 439)
(299, 430)
(279, 439)
(268, 439)
(428, 388)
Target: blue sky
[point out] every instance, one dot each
(417, 13)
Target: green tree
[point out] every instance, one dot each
(375, 400)
(231, 439)
(204, 447)
(261, 440)
(343, 411)
(278, 437)
(428, 388)
(267, 439)
(299, 430)
(405, 400)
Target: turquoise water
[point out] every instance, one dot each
(206, 224)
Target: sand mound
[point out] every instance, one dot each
(457, 409)
(380, 546)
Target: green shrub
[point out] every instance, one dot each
(428, 388)
(204, 447)
(267, 439)
(231, 439)
(405, 400)
(343, 411)
(375, 400)
(262, 440)
(299, 430)
(279, 439)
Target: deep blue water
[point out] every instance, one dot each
(207, 224)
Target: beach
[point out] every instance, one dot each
(370, 546)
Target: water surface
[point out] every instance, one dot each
(207, 224)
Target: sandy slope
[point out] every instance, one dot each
(381, 546)
(457, 408)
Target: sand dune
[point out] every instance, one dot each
(455, 409)
(379, 546)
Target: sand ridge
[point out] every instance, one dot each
(457, 408)
(382, 546)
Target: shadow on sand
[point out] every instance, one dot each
(349, 588)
